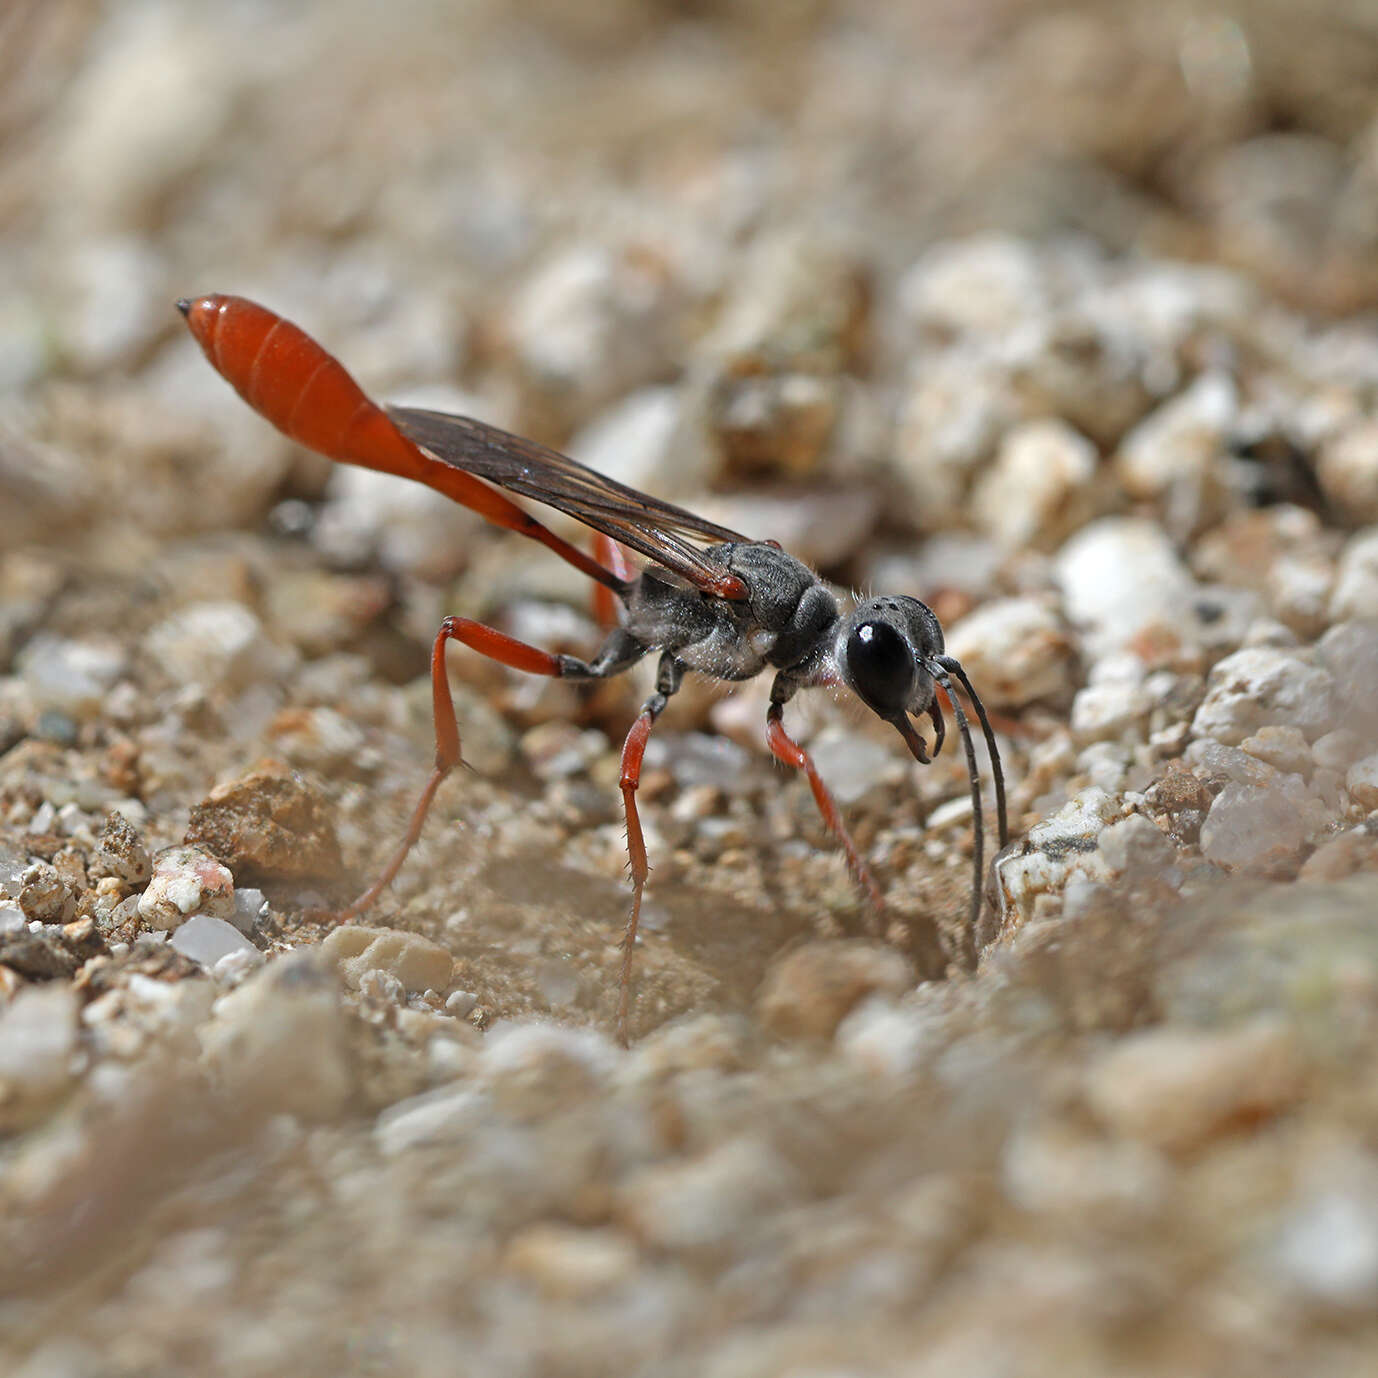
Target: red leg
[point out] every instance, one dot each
(668, 677)
(785, 748)
(632, 751)
(487, 641)
(611, 556)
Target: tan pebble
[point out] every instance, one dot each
(706, 1043)
(1016, 649)
(1040, 487)
(1361, 780)
(571, 1263)
(120, 852)
(38, 1037)
(44, 896)
(1282, 746)
(809, 992)
(709, 1201)
(418, 1026)
(1057, 1167)
(277, 1042)
(11, 983)
(1355, 850)
(269, 824)
(1348, 471)
(1178, 1088)
(416, 961)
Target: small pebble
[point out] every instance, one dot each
(430, 1118)
(1175, 1088)
(853, 766)
(1337, 750)
(1050, 1166)
(1353, 850)
(461, 1003)
(1347, 469)
(415, 961)
(706, 1042)
(808, 992)
(589, 324)
(216, 645)
(1217, 765)
(1281, 746)
(206, 940)
(1355, 593)
(13, 864)
(634, 443)
(1349, 651)
(236, 964)
(1124, 583)
(1299, 590)
(1254, 828)
(556, 750)
(557, 979)
(698, 758)
(43, 895)
(1136, 847)
(69, 676)
(1327, 1247)
(952, 416)
(120, 852)
(536, 1068)
(381, 986)
(1361, 780)
(569, 1263)
(38, 1037)
(709, 1201)
(1039, 488)
(56, 726)
(249, 906)
(451, 1055)
(1261, 686)
(318, 738)
(1174, 454)
(186, 881)
(980, 285)
(884, 1039)
(1110, 709)
(1016, 651)
(1063, 845)
(406, 527)
(272, 823)
(277, 1042)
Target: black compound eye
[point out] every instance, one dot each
(880, 666)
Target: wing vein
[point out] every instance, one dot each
(660, 531)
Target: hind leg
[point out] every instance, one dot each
(618, 653)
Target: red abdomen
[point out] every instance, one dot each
(285, 376)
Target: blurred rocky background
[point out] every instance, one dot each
(1058, 316)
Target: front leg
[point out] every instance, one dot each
(784, 748)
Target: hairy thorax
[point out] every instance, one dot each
(786, 613)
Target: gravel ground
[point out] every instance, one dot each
(1057, 317)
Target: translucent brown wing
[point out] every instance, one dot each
(655, 529)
